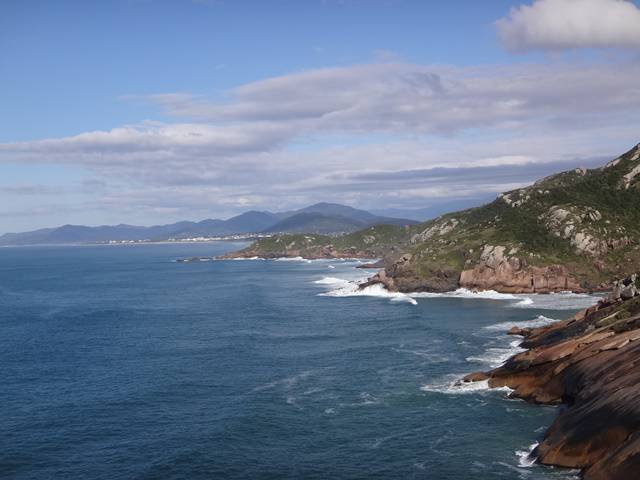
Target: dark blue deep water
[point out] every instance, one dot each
(118, 363)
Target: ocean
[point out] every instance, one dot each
(120, 363)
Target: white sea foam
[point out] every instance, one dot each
(457, 387)
(497, 356)
(525, 457)
(245, 258)
(557, 301)
(539, 321)
(351, 289)
(465, 293)
(333, 281)
(552, 301)
(292, 259)
(524, 302)
(331, 266)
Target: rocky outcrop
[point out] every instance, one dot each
(589, 363)
(499, 271)
(575, 230)
(437, 230)
(402, 276)
(630, 178)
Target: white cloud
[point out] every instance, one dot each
(392, 133)
(568, 24)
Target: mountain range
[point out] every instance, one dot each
(321, 218)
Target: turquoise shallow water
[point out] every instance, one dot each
(118, 362)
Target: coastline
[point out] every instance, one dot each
(586, 364)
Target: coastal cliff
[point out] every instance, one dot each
(575, 230)
(589, 364)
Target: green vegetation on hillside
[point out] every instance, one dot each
(586, 220)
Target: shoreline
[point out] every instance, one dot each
(388, 282)
(587, 365)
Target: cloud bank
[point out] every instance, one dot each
(376, 135)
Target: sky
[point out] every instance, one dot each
(154, 111)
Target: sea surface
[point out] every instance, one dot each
(116, 362)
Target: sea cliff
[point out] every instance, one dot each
(589, 364)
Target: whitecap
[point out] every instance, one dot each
(539, 321)
(291, 259)
(466, 293)
(352, 289)
(332, 281)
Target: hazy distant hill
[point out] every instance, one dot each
(326, 218)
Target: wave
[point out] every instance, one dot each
(539, 321)
(291, 259)
(351, 289)
(465, 293)
(551, 301)
(526, 459)
(332, 281)
(245, 258)
(497, 356)
(456, 387)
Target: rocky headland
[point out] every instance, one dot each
(573, 231)
(589, 364)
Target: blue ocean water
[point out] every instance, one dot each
(118, 363)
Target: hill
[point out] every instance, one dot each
(575, 230)
(324, 218)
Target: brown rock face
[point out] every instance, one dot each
(510, 274)
(590, 363)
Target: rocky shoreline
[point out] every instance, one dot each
(589, 364)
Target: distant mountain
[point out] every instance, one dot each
(327, 218)
(313, 222)
(330, 218)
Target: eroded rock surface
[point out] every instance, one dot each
(498, 271)
(591, 364)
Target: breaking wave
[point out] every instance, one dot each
(236, 259)
(497, 356)
(351, 289)
(291, 259)
(332, 281)
(465, 293)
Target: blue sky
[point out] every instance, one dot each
(149, 111)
